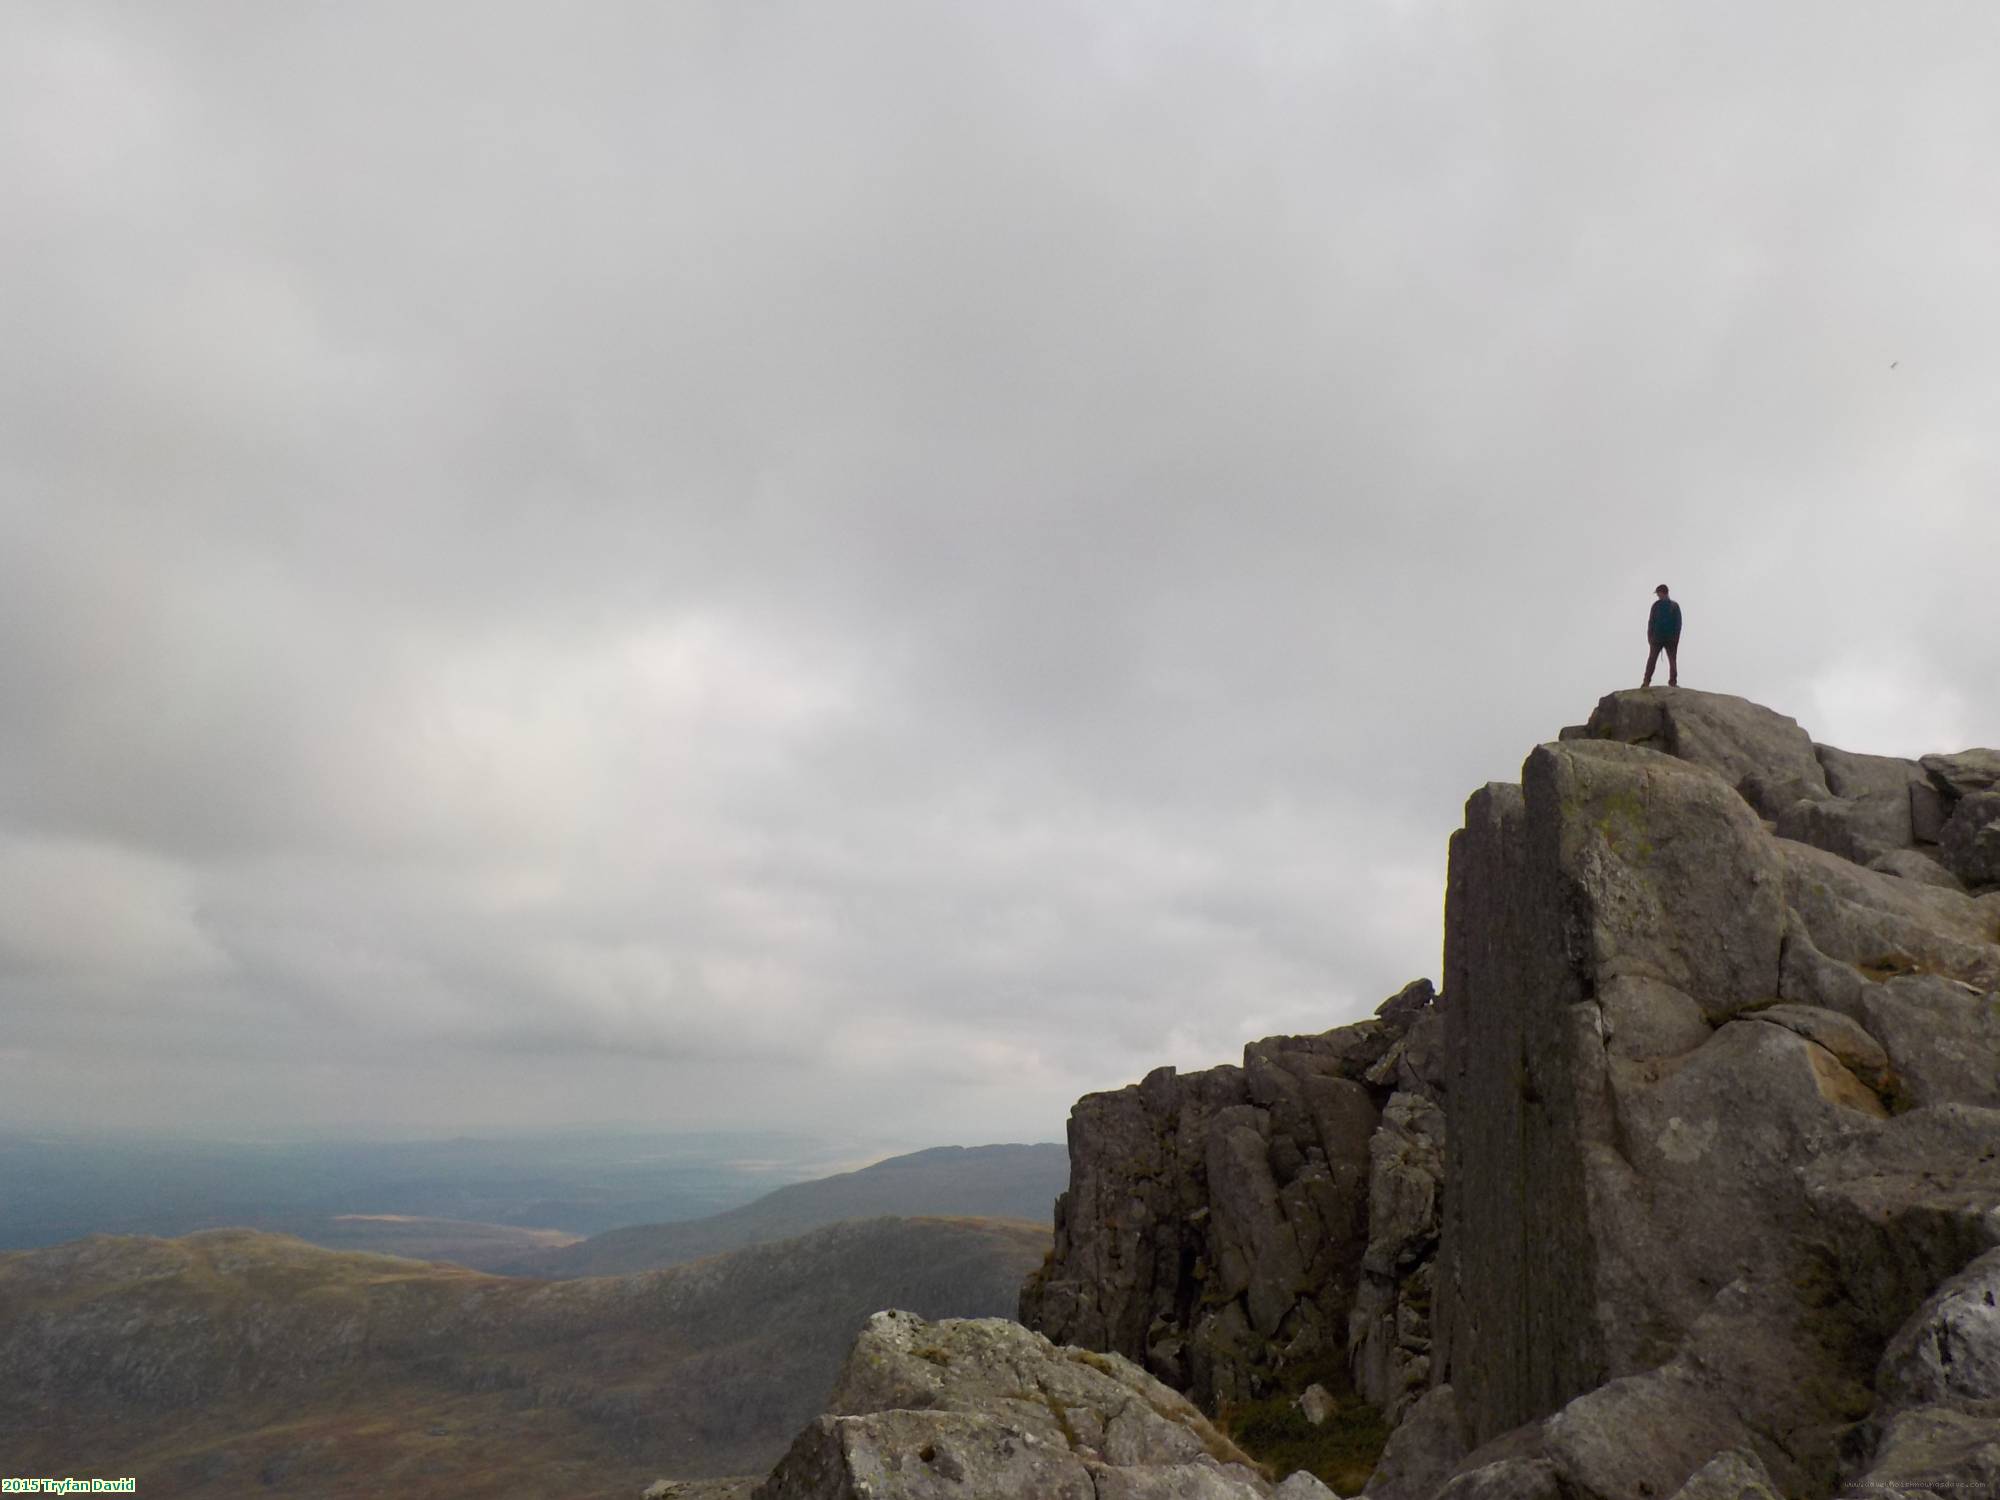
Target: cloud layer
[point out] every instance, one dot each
(878, 566)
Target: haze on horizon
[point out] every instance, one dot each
(880, 566)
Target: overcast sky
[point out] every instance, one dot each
(874, 567)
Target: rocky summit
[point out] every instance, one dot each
(1686, 1186)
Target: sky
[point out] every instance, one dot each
(875, 567)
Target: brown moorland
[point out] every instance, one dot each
(233, 1362)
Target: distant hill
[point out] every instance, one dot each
(61, 1187)
(481, 1246)
(233, 1361)
(1009, 1182)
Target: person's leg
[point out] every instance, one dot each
(1673, 663)
(1652, 660)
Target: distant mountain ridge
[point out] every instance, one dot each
(59, 1187)
(232, 1361)
(1003, 1182)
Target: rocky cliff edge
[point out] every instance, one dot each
(1686, 1187)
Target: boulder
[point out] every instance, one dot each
(1649, 1018)
(1734, 1475)
(1409, 1003)
(1963, 774)
(1860, 831)
(924, 1455)
(1862, 778)
(986, 1407)
(1935, 1453)
(1914, 864)
(1969, 844)
(1949, 1353)
(1761, 753)
(1506, 1479)
(1316, 1404)
(1642, 1433)
(1896, 1210)
(1423, 1450)
(1942, 1037)
(1882, 925)
(1874, 811)
(1854, 1049)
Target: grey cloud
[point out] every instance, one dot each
(713, 562)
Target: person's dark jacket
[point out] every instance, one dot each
(1663, 625)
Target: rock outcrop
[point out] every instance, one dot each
(1227, 1227)
(1724, 1070)
(983, 1407)
(1687, 1186)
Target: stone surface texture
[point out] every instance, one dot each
(1226, 1228)
(984, 1407)
(1969, 842)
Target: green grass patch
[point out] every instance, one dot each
(1341, 1452)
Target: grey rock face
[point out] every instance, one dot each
(1873, 809)
(1860, 831)
(1389, 1336)
(1965, 773)
(1506, 1479)
(1722, 1102)
(1936, 1453)
(1734, 1475)
(1757, 751)
(1216, 1224)
(1687, 1186)
(1950, 1351)
(1942, 1036)
(1645, 1017)
(1882, 926)
(1970, 841)
(1423, 1450)
(985, 1407)
(1869, 777)
(1914, 864)
(1897, 1210)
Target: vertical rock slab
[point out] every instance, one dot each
(1508, 1332)
(1589, 875)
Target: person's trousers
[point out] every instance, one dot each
(1673, 665)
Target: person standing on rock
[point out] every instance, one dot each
(1663, 633)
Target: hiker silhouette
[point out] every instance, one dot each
(1663, 633)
